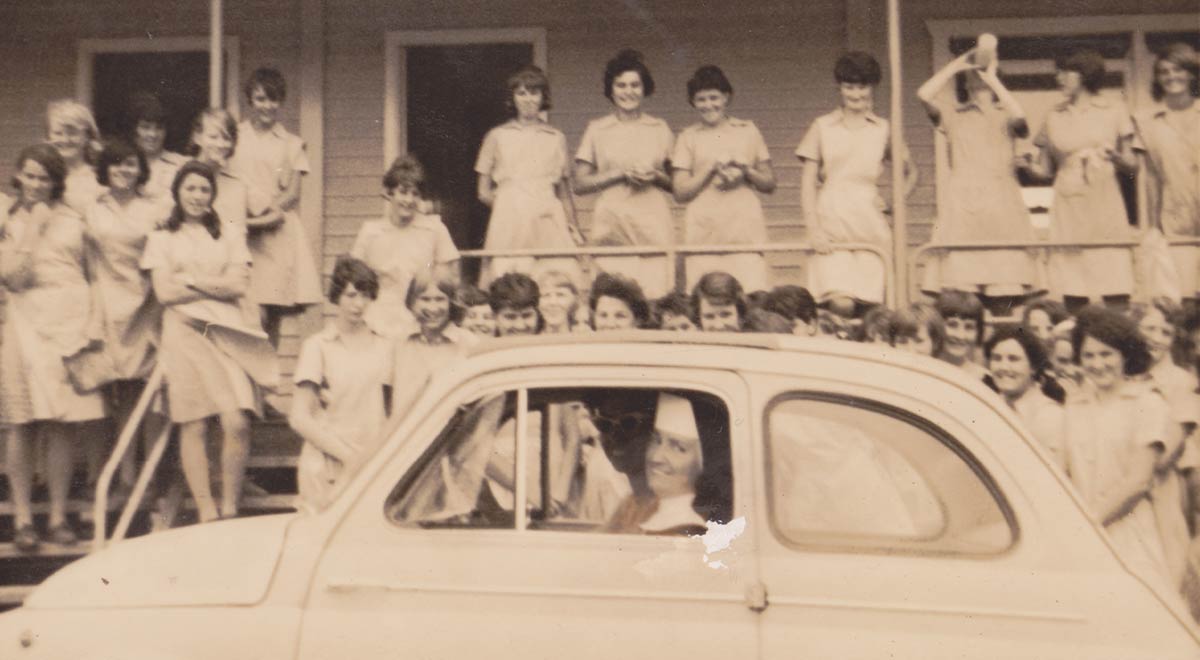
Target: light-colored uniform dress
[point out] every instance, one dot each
(624, 215)
(396, 254)
(350, 382)
(982, 202)
(1045, 419)
(724, 216)
(126, 312)
(848, 205)
(82, 188)
(1178, 387)
(212, 354)
(285, 273)
(1100, 437)
(1087, 199)
(525, 162)
(46, 319)
(163, 168)
(1171, 141)
(418, 360)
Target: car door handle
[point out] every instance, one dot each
(756, 597)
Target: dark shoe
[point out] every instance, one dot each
(27, 539)
(63, 535)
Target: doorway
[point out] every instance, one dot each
(175, 70)
(448, 93)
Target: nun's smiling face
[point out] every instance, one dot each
(673, 464)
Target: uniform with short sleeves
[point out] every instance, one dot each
(848, 204)
(81, 188)
(396, 254)
(212, 354)
(1044, 417)
(981, 202)
(624, 215)
(1100, 437)
(724, 216)
(163, 168)
(285, 273)
(1178, 387)
(1087, 198)
(525, 161)
(126, 312)
(350, 380)
(46, 319)
(1171, 141)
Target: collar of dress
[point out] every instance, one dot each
(613, 120)
(515, 125)
(840, 116)
(675, 511)
(331, 333)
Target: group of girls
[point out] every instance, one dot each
(1114, 398)
(1087, 141)
(717, 166)
(634, 162)
(117, 255)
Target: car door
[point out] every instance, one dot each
(906, 527)
(431, 563)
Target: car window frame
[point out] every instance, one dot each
(505, 381)
(882, 545)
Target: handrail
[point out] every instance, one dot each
(673, 251)
(153, 389)
(923, 251)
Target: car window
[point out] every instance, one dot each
(599, 459)
(452, 476)
(852, 473)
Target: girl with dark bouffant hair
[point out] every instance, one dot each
(341, 377)
(624, 157)
(617, 303)
(1118, 429)
(1020, 370)
(214, 356)
(524, 176)
(43, 272)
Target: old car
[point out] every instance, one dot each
(853, 503)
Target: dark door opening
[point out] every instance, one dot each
(455, 95)
(178, 79)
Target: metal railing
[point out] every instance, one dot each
(676, 262)
(921, 253)
(153, 392)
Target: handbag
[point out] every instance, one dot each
(89, 368)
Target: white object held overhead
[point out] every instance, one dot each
(985, 50)
(675, 417)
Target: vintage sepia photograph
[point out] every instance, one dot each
(639, 329)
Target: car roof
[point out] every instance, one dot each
(635, 342)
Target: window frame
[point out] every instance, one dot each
(88, 49)
(870, 544)
(602, 377)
